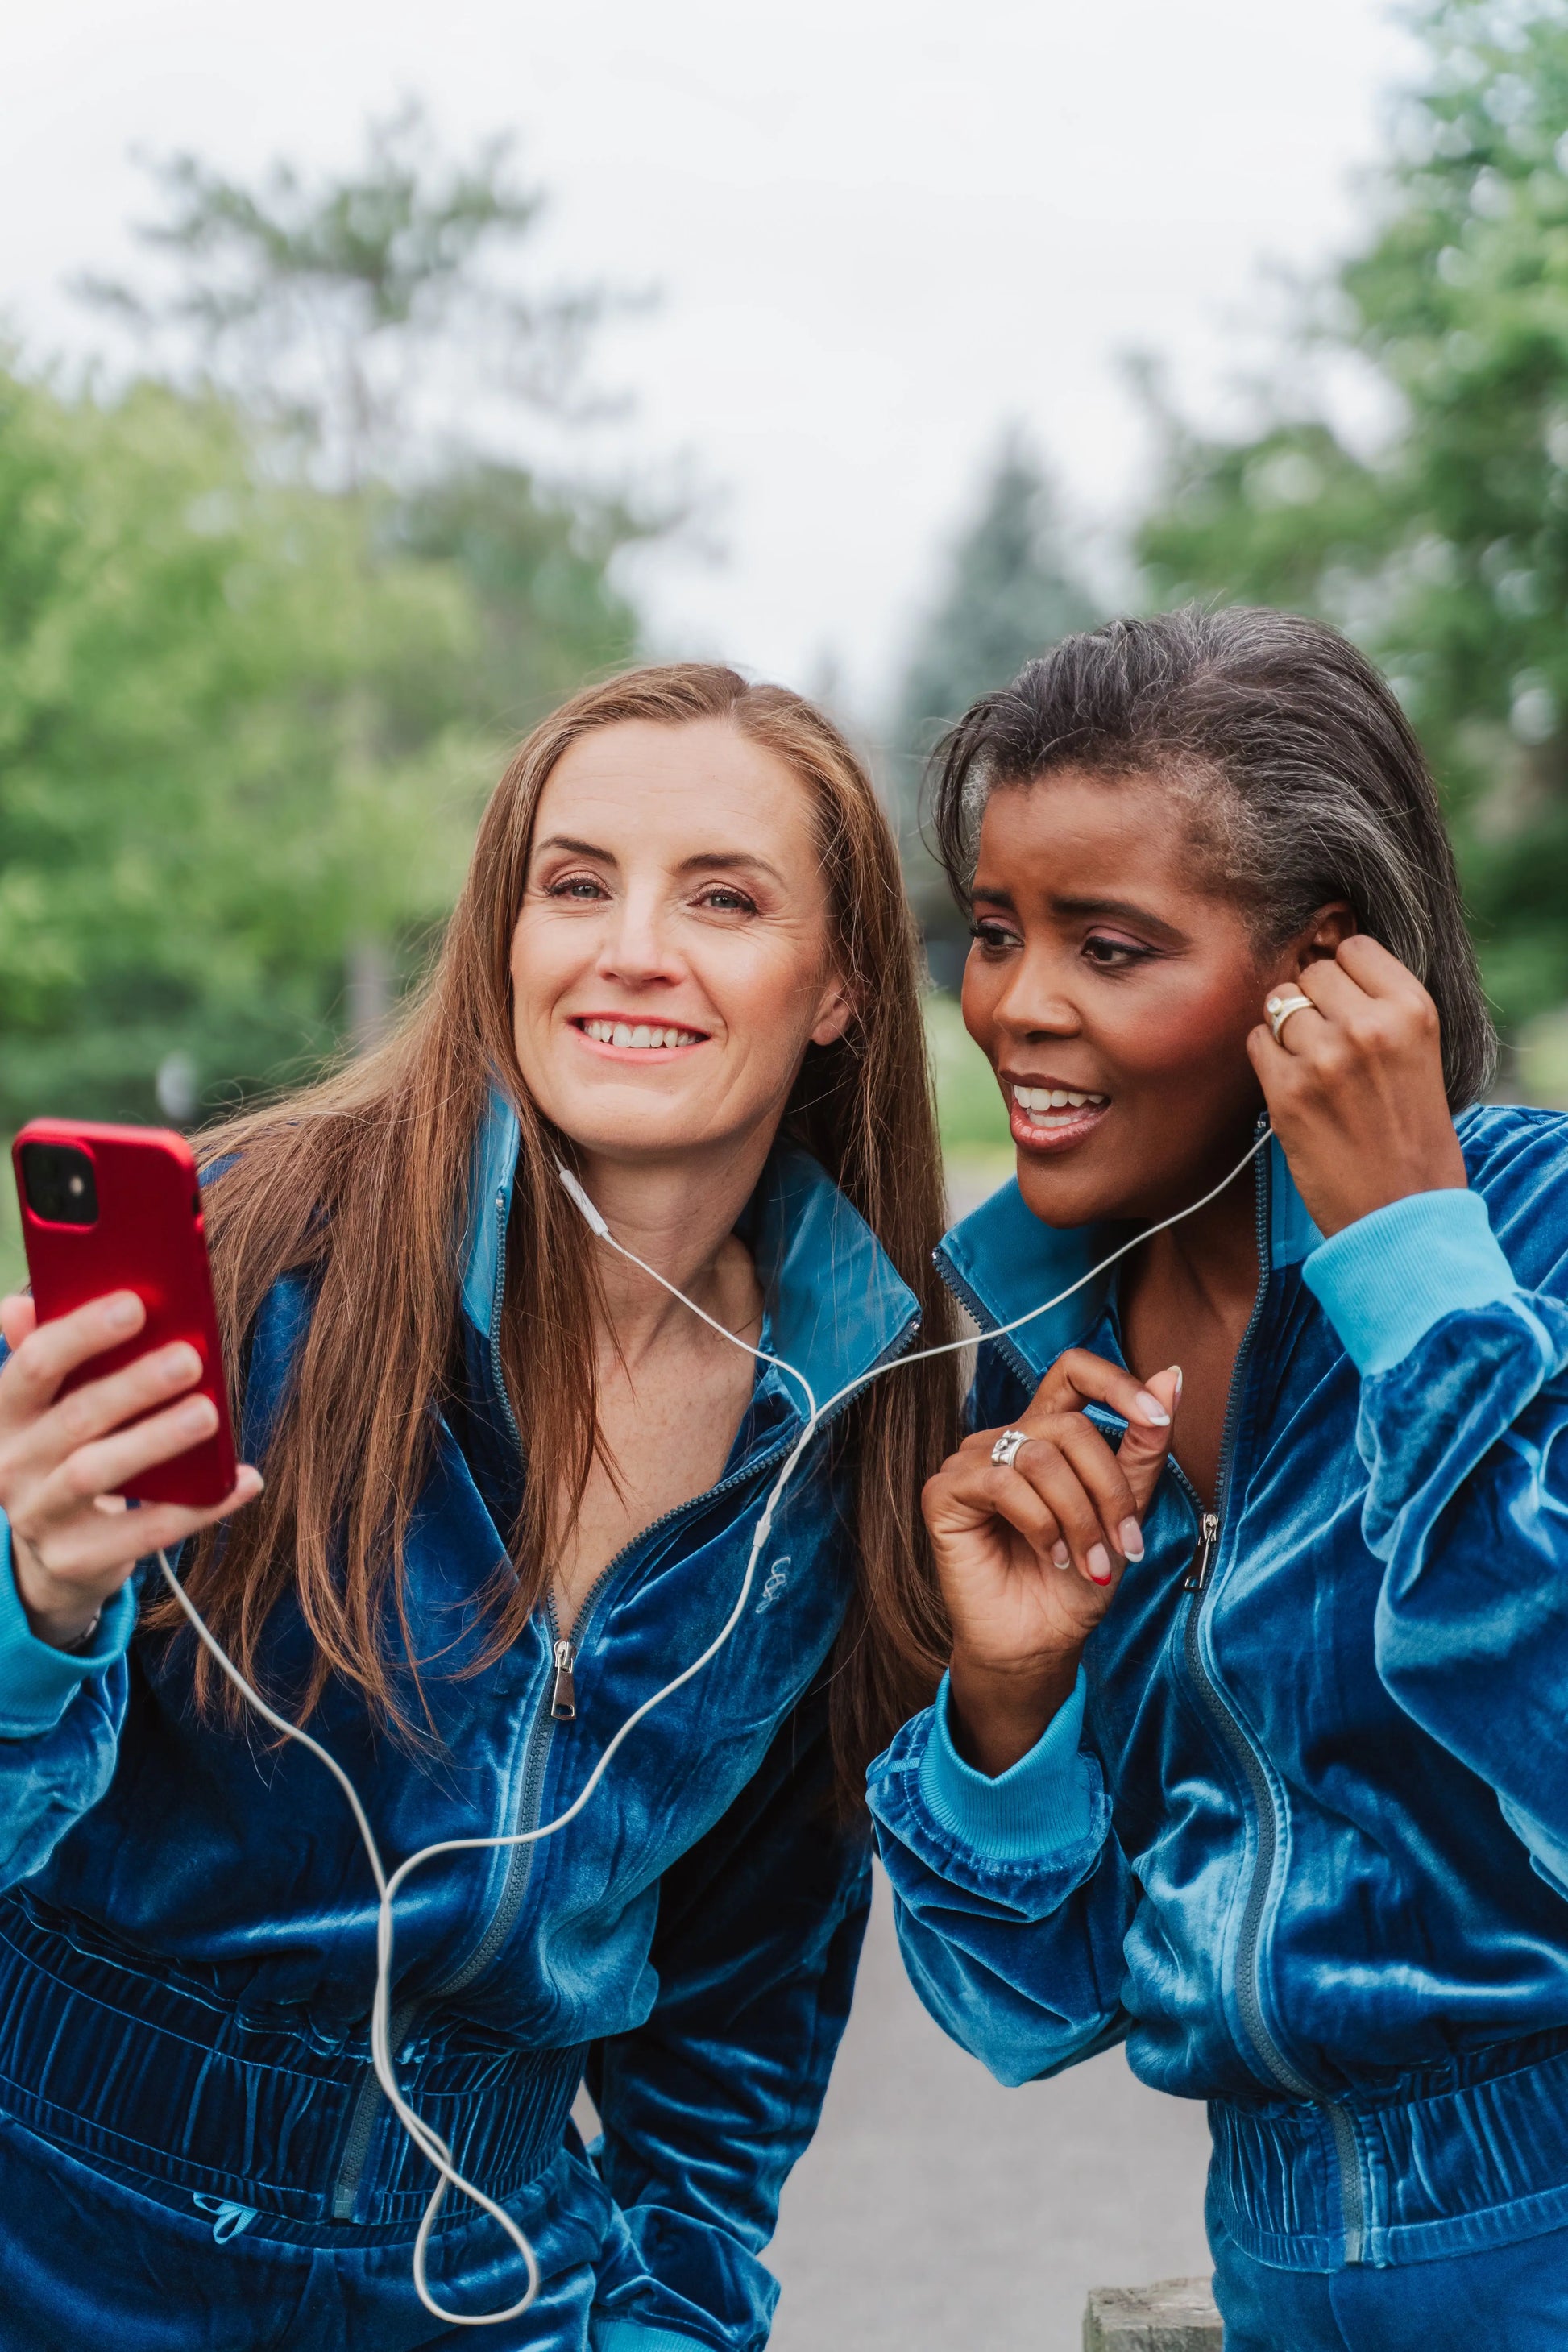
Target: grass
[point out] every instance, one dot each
(1543, 1060)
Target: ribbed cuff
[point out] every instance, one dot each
(627, 2336)
(1038, 1807)
(38, 1682)
(1386, 1279)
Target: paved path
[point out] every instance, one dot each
(937, 2212)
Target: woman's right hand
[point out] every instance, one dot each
(73, 1539)
(1030, 1555)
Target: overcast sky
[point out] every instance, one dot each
(881, 228)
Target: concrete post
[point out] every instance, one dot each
(1175, 2315)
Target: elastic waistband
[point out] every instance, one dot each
(154, 2079)
(1474, 2154)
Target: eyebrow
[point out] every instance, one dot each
(712, 861)
(577, 849)
(1113, 909)
(705, 861)
(1118, 910)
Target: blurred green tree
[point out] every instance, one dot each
(1011, 590)
(1445, 550)
(229, 745)
(268, 621)
(363, 319)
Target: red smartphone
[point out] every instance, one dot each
(119, 1208)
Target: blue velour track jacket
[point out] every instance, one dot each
(187, 1941)
(1300, 1836)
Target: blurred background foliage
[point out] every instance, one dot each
(276, 599)
(269, 619)
(1443, 546)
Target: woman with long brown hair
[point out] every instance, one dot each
(511, 1487)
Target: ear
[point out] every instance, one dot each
(835, 1012)
(1319, 941)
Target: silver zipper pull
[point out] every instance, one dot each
(1197, 1575)
(562, 1690)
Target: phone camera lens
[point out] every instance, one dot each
(58, 1182)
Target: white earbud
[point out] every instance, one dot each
(594, 1219)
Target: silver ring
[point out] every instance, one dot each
(1005, 1451)
(1280, 1008)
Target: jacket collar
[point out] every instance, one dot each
(1001, 1260)
(835, 1306)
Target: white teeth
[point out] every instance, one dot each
(644, 1036)
(1039, 1101)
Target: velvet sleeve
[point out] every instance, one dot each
(1011, 1895)
(707, 2107)
(60, 1718)
(1463, 1426)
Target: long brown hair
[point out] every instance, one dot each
(360, 1183)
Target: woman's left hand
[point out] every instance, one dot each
(1354, 1086)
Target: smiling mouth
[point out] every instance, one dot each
(1054, 1110)
(641, 1037)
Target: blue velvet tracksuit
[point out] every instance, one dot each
(1301, 1835)
(192, 2150)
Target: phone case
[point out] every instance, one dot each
(148, 1236)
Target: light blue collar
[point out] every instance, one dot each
(835, 1304)
(1001, 1260)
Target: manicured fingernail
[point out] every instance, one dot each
(1061, 1555)
(199, 1416)
(1131, 1536)
(1098, 1562)
(1177, 1369)
(123, 1314)
(1151, 1409)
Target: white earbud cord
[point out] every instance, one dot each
(427, 2141)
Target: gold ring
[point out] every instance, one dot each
(1280, 1008)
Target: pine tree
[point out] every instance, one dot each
(1010, 592)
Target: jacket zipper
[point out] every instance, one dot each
(1197, 1581)
(559, 1704)
(562, 1689)
(361, 2118)
(1197, 1575)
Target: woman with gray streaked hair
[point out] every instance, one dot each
(1252, 1746)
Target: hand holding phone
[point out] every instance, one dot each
(114, 1386)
